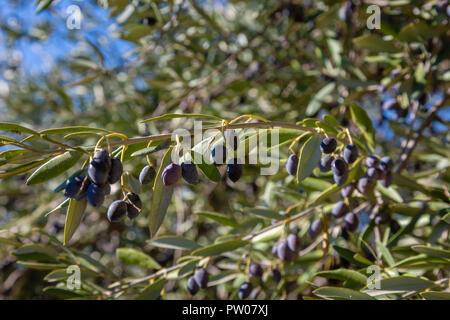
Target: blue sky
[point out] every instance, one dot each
(39, 56)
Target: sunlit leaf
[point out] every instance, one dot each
(219, 248)
(161, 197)
(54, 167)
(174, 242)
(137, 258)
(75, 213)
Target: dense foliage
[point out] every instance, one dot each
(361, 117)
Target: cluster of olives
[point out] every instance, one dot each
(288, 248)
(338, 165)
(256, 271)
(198, 281)
(188, 171)
(102, 172)
(377, 169)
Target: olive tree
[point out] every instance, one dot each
(152, 179)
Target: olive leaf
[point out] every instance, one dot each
(364, 123)
(75, 213)
(161, 197)
(335, 293)
(152, 291)
(309, 157)
(219, 248)
(174, 242)
(137, 258)
(54, 167)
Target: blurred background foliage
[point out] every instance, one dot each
(282, 60)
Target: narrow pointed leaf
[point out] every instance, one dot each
(309, 157)
(54, 167)
(75, 213)
(364, 123)
(219, 248)
(336, 293)
(152, 291)
(137, 258)
(161, 197)
(174, 242)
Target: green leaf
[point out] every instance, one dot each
(220, 218)
(350, 256)
(335, 293)
(219, 248)
(73, 129)
(36, 252)
(331, 120)
(386, 254)
(10, 242)
(364, 123)
(405, 283)
(10, 154)
(326, 127)
(268, 235)
(403, 181)
(62, 205)
(316, 102)
(40, 265)
(85, 80)
(15, 128)
(263, 213)
(362, 259)
(309, 157)
(152, 291)
(44, 4)
(57, 275)
(345, 275)
(137, 258)
(74, 215)
(436, 295)
(62, 293)
(22, 168)
(446, 218)
(222, 277)
(314, 184)
(5, 139)
(374, 42)
(389, 192)
(54, 167)
(187, 115)
(211, 21)
(417, 32)
(210, 170)
(92, 264)
(161, 197)
(146, 151)
(174, 242)
(432, 251)
(405, 229)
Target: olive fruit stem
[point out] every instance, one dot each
(349, 136)
(296, 140)
(248, 116)
(119, 135)
(148, 157)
